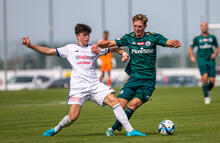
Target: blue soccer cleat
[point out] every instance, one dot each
(135, 133)
(49, 132)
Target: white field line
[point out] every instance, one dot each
(43, 104)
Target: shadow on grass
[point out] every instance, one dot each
(116, 134)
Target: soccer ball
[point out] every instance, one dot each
(166, 127)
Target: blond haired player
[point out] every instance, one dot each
(141, 67)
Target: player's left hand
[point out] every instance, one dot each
(124, 58)
(213, 56)
(95, 48)
(176, 43)
(26, 41)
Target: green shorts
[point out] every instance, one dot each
(207, 68)
(137, 88)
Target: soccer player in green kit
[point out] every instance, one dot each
(205, 58)
(141, 67)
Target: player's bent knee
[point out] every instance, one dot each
(134, 104)
(205, 78)
(212, 80)
(123, 102)
(114, 101)
(111, 100)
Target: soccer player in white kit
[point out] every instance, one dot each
(84, 84)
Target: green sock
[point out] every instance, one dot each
(128, 112)
(205, 89)
(210, 86)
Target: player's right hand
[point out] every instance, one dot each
(26, 41)
(124, 58)
(213, 56)
(95, 48)
(193, 59)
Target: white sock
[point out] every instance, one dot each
(122, 117)
(65, 122)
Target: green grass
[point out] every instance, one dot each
(25, 115)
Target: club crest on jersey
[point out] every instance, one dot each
(121, 92)
(148, 43)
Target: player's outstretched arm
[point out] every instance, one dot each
(106, 43)
(42, 50)
(120, 52)
(173, 43)
(102, 44)
(191, 55)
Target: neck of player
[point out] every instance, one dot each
(82, 45)
(140, 35)
(204, 34)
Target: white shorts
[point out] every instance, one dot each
(95, 93)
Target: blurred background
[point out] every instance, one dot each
(51, 23)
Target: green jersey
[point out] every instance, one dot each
(143, 54)
(205, 48)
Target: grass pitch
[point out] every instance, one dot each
(25, 115)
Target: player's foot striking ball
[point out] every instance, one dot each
(141, 67)
(84, 84)
(205, 43)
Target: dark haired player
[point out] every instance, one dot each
(84, 84)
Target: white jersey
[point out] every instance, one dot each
(82, 61)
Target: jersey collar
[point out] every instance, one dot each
(82, 46)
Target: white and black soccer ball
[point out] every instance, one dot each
(166, 127)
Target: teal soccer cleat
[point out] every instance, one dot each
(109, 132)
(135, 133)
(49, 132)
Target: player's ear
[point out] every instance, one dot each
(77, 36)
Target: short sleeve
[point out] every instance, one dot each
(122, 41)
(160, 39)
(194, 43)
(103, 51)
(63, 51)
(215, 42)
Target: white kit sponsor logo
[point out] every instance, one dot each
(142, 51)
(206, 46)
